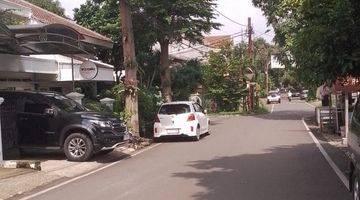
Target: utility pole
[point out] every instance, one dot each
(250, 52)
(131, 82)
(250, 47)
(267, 77)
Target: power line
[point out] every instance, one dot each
(228, 18)
(238, 23)
(188, 49)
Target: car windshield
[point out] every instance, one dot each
(273, 94)
(174, 109)
(65, 104)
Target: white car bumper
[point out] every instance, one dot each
(188, 129)
(273, 99)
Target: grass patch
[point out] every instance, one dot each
(261, 110)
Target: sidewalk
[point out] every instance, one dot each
(55, 168)
(332, 144)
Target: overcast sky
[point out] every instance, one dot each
(237, 10)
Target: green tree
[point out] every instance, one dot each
(175, 20)
(186, 79)
(53, 6)
(319, 36)
(223, 78)
(8, 18)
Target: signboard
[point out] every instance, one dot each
(275, 64)
(349, 84)
(88, 70)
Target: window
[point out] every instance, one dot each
(64, 103)
(172, 109)
(34, 107)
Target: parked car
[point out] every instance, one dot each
(354, 152)
(304, 94)
(273, 97)
(183, 118)
(295, 94)
(46, 120)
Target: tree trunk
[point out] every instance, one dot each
(131, 82)
(165, 73)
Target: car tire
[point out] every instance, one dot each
(78, 147)
(268, 102)
(156, 139)
(279, 101)
(355, 188)
(197, 137)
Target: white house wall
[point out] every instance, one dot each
(15, 63)
(104, 74)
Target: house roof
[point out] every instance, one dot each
(216, 41)
(47, 17)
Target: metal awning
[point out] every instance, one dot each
(44, 39)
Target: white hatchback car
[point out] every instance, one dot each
(273, 97)
(182, 118)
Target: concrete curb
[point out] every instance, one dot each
(26, 164)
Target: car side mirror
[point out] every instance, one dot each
(50, 112)
(205, 112)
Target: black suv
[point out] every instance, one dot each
(53, 120)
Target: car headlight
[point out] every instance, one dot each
(102, 124)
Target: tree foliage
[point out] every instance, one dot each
(8, 18)
(223, 78)
(53, 6)
(320, 36)
(186, 79)
(174, 21)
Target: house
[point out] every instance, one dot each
(37, 65)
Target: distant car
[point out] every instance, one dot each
(273, 97)
(304, 94)
(183, 118)
(296, 94)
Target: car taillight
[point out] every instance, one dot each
(157, 119)
(191, 117)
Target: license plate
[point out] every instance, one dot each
(172, 131)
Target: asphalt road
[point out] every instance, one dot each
(245, 158)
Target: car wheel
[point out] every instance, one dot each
(268, 102)
(156, 139)
(279, 101)
(78, 147)
(355, 188)
(197, 137)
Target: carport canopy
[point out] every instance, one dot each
(44, 39)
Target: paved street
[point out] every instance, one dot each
(248, 158)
